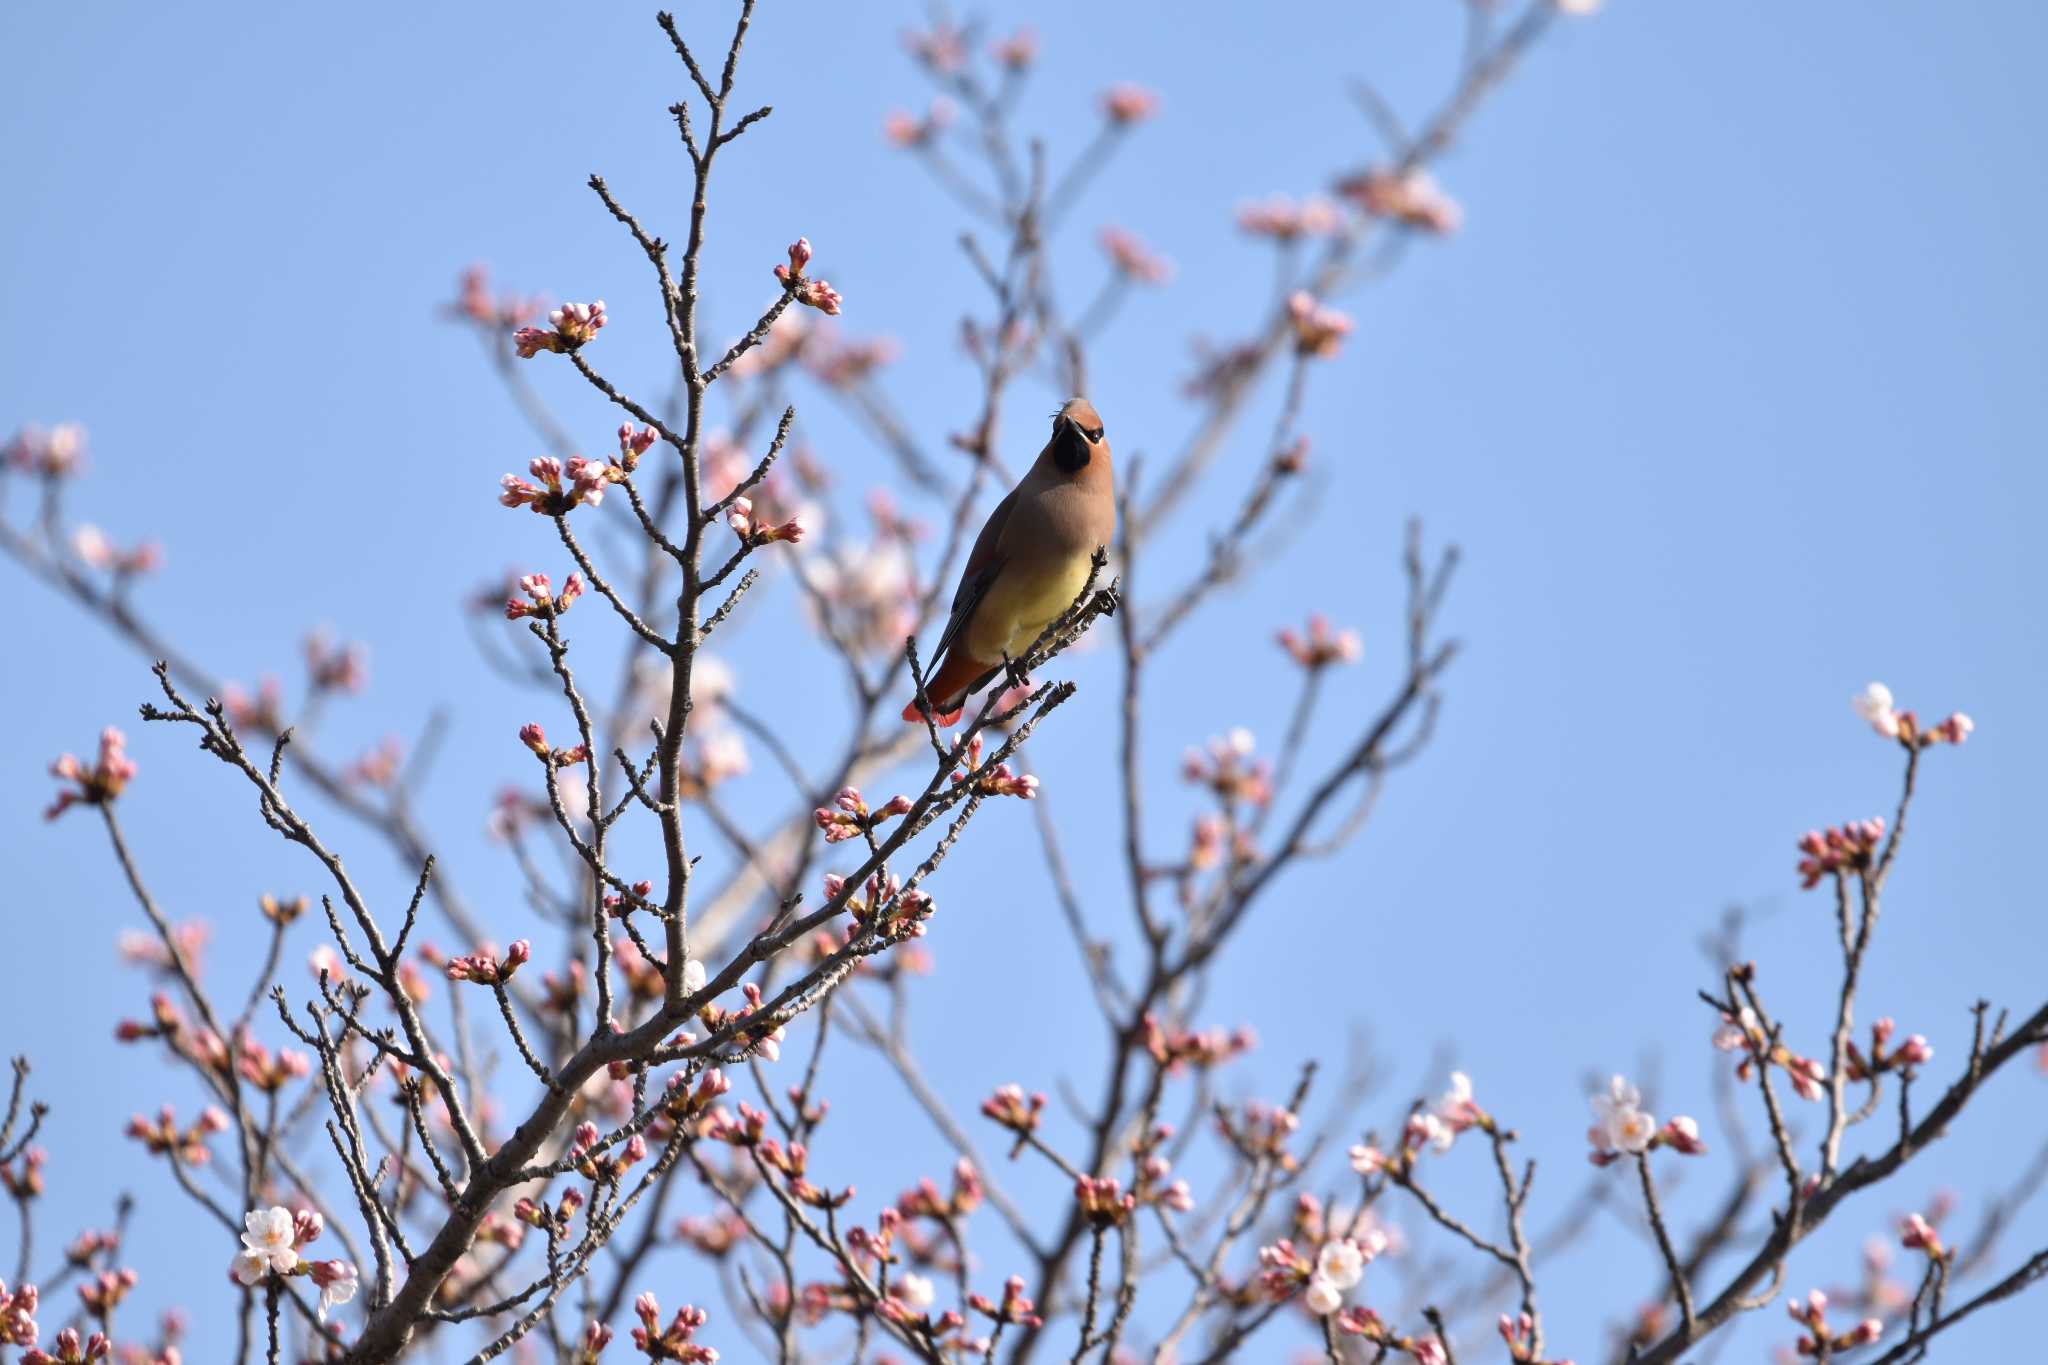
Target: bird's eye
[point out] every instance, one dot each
(1094, 435)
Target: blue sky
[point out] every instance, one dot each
(1729, 390)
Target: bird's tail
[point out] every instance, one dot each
(948, 689)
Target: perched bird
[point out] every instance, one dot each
(1028, 564)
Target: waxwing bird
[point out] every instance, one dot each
(1028, 564)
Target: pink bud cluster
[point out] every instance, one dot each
(1744, 1033)
(1363, 1322)
(573, 324)
(267, 1071)
(536, 739)
(1177, 1049)
(107, 778)
(26, 1183)
(673, 1342)
(812, 293)
(1015, 1306)
(883, 903)
(1103, 1201)
(1322, 646)
(541, 601)
(1410, 198)
(1846, 847)
(561, 487)
(1915, 1051)
(999, 780)
(486, 968)
(1319, 332)
(1259, 1131)
(606, 1165)
(72, 1351)
(848, 816)
(1811, 1313)
(740, 517)
(1519, 1332)
(18, 1315)
(590, 1347)
(101, 1294)
(1133, 259)
(1010, 1107)
(1916, 1233)
(558, 1216)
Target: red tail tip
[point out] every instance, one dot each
(915, 716)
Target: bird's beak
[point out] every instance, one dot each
(1070, 449)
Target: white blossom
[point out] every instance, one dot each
(1341, 1262)
(1624, 1126)
(1874, 704)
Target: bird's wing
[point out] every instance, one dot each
(984, 562)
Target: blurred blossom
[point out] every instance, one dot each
(1127, 104)
(1410, 198)
(263, 712)
(1017, 51)
(91, 545)
(907, 130)
(842, 364)
(1285, 220)
(378, 766)
(869, 593)
(1318, 331)
(54, 454)
(1874, 704)
(1133, 259)
(475, 302)
(334, 667)
(111, 772)
(1621, 1123)
(1226, 769)
(942, 47)
(1322, 646)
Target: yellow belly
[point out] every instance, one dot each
(1018, 608)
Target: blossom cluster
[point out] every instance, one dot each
(571, 326)
(486, 968)
(849, 817)
(1624, 1128)
(271, 1239)
(1319, 331)
(1322, 646)
(1874, 703)
(541, 600)
(561, 487)
(111, 772)
(812, 293)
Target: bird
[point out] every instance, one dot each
(1029, 563)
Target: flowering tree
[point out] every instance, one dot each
(659, 1126)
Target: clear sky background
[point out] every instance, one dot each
(1730, 390)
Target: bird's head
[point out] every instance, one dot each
(1077, 436)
